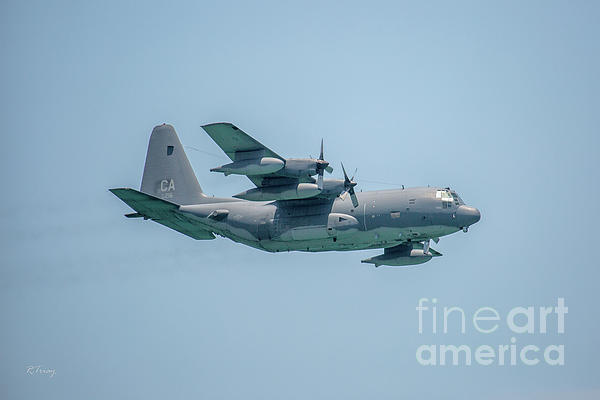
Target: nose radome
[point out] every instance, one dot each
(469, 215)
(477, 215)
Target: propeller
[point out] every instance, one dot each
(322, 165)
(349, 187)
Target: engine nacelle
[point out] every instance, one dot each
(300, 167)
(283, 192)
(258, 166)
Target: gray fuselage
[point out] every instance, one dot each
(382, 219)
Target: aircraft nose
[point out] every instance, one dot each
(466, 215)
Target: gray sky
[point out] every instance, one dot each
(497, 100)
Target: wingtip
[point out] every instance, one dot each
(216, 123)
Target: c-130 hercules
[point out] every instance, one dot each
(289, 209)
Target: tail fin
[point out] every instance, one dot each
(168, 174)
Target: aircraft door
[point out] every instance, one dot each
(369, 214)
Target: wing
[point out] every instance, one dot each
(238, 146)
(236, 143)
(161, 211)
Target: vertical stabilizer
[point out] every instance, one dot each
(167, 173)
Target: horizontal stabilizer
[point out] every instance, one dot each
(163, 212)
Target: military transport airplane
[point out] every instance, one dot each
(289, 209)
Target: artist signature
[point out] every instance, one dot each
(40, 370)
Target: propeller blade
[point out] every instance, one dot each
(353, 197)
(321, 155)
(322, 165)
(320, 180)
(345, 174)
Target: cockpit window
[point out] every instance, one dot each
(444, 195)
(457, 200)
(446, 198)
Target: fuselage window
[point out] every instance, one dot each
(395, 214)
